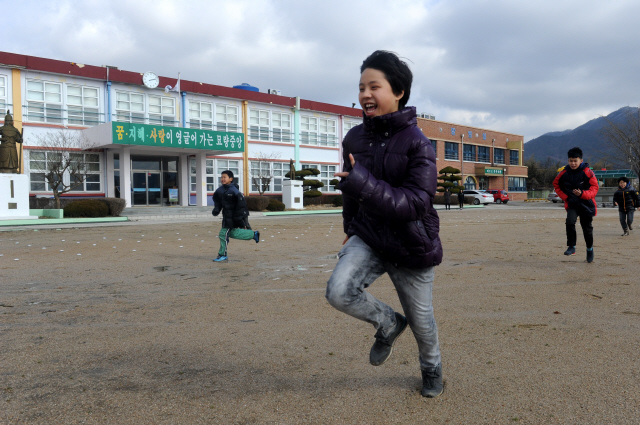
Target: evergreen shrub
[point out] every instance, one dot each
(275, 205)
(257, 203)
(115, 205)
(86, 208)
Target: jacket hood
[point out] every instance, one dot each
(392, 122)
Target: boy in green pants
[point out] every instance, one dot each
(235, 214)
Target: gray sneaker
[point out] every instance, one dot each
(432, 382)
(383, 347)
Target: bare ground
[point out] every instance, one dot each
(153, 332)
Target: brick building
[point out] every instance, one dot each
(488, 159)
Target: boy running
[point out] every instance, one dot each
(235, 214)
(626, 198)
(389, 179)
(577, 186)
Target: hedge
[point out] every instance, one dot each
(115, 205)
(275, 205)
(257, 203)
(86, 208)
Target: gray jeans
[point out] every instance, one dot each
(626, 218)
(358, 267)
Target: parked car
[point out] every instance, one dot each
(553, 197)
(480, 196)
(499, 196)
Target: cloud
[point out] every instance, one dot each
(513, 66)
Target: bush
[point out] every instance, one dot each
(86, 208)
(312, 194)
(115, 205)
(257, 203)
(275, 205)
(337, 201)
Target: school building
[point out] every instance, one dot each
(160, 141)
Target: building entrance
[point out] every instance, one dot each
(154, 180)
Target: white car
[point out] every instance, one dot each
(553, 197)
(480, 196)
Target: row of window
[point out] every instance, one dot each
(38, 167)
(269, 174)
(476, 153)
(46, 102)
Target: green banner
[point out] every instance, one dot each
(494, 171)
(128, 133)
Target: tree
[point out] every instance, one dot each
(448, 175)
(64, 157)
(310, 186)
(262, 175)
(624, 136)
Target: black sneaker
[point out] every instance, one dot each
(432, 382)
(590, 256)
(630, 228)
(383, 347)
(570, 251)
(625, 232)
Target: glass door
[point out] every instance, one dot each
(147, 189)
(139, 188)
(154, 189)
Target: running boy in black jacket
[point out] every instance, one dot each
(235, 214)
(626, 198)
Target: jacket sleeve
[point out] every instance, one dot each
(217, 203)
(408, 202)
(593, 185)
(556, 186)
(350, 205)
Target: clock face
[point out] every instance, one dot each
(150, 80)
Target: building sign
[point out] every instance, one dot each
(489, 171)
(127, 133)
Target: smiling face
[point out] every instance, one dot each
(376, 96)
(225, 179)
(574, 163)
(622, 184)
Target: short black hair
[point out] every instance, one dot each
(575, 153)
(396, 72)
(228, 173)
(623, 179)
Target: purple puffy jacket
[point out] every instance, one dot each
(388, 195)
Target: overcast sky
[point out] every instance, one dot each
(518, 66)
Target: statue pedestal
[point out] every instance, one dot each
(14, 197)
(292, 194)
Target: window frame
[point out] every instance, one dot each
(261, 128)
(3, 96)
(469, 156)
(87, 115)
(199, 122)
(225, 124)
(497, 158)
(512, 160)
(129, 115)
(43, 104)
(486, 158)
(451, 151)
(168, 118)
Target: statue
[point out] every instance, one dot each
(10, 162)
(292, 170)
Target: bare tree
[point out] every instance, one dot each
(262, 175)
(62, 156)
(624, 136)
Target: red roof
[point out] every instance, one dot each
(100, 73)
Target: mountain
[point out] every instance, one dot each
(588, 137)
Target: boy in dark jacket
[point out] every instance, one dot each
(235, 214)
(577, 186)
(389, 180)
(447, 199)
(626, 198)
